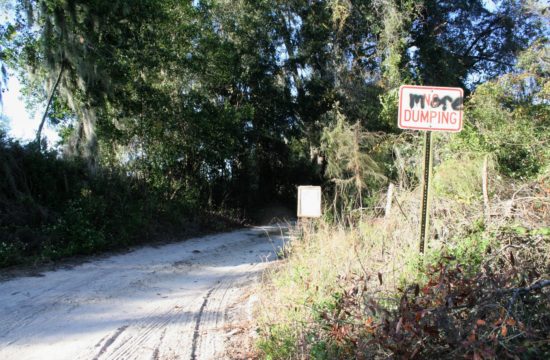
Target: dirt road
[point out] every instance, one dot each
(177, 301)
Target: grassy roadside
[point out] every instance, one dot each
(353, 285)
(351, 293)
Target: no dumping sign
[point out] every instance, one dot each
(430, 108)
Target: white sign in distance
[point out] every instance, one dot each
(309, 201)
(430, 108)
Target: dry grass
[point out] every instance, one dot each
(324, 260)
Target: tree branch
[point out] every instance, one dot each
(39, 131)
(522, 291)
(488, 30)
(481, 57)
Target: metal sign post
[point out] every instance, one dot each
(429, 108)
(426, 179)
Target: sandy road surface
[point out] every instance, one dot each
(176, 301)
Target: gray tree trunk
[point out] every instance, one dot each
(50, 98)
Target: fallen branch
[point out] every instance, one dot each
(401, 209)
(525, 290)
(500, 251)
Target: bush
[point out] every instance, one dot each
(459, 178)
(73, 233)
(11, 253)
(481, 289)
(511, 125)
(52, 208)
(476, 300)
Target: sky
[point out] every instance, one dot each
(21, 124)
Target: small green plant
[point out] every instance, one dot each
(278, 343)
(10, 253)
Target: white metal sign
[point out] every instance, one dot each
(430, 108)
(309, 201)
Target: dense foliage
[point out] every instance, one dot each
(52, 208)
(224, 102)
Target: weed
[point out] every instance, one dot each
(365, 292)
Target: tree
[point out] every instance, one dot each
(350, 166)
(462, 43)
(218, 101)
(6, 32)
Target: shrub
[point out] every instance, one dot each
(52, 207)
(481, 289)
(509, 123)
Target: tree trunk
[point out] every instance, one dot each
(52, 93)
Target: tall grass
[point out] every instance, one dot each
(316, 302)
(322, 261)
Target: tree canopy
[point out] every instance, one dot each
(218, 101)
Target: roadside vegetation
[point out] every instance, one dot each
(54, 208)
(178, 115)
(353, 284)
